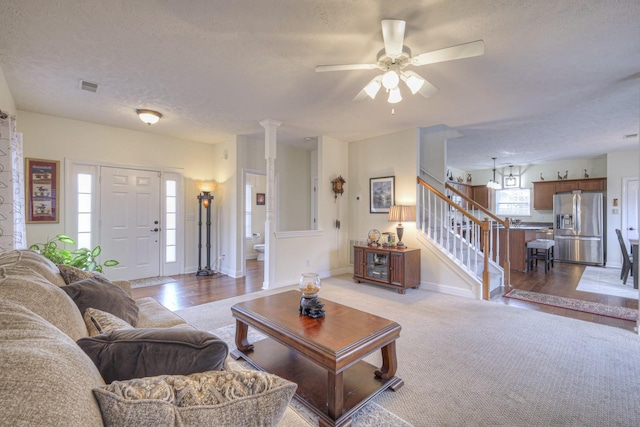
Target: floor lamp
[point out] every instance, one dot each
(204, 200)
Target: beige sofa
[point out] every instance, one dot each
(47, 379)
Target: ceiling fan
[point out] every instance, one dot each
(395, 57)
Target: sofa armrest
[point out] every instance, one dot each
(125, 285)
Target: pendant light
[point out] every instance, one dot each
(511, 180)
(493, 183)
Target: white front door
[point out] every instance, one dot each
(630, 209)
(130, 216)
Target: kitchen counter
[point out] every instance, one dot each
(518, 238)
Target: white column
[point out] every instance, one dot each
(270, 144)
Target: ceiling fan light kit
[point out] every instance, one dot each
(395, 57)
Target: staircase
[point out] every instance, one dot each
(467, 233)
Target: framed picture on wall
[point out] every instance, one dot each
(382, 194)
(42, 178)
(259, 198)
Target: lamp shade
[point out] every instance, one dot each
(150, 117)
(402, 213)
(206, 186)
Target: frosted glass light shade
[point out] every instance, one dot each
(206, 186)
(414, 83)
(390, 80)
(150, 117)
(394, 96)
(372, 88)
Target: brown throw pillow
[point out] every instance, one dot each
(220, 398)
(124, 354)
(72, 274)
(98, 292)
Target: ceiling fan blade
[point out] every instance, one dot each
(346, 67)
(393, 35)
(466, 50)
(428, 89)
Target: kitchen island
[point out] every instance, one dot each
(518, 238)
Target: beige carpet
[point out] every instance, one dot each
(475, 363)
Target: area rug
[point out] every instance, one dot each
(371, 415)
(603, 280)
(468, 362)
(150, 281)
(600, 309)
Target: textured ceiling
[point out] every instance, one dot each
(559, 79)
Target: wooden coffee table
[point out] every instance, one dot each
(323, 356)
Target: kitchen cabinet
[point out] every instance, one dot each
(543, 191)
(483, 196)
(543, 195)
(392, 267)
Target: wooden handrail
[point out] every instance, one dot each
(485, 228)
(482, 224)
(504, 222)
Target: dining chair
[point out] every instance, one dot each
(627, 261)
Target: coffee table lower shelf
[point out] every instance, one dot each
(359, 381)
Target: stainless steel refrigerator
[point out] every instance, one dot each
(579, 228)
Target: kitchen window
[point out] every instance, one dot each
(513, 202)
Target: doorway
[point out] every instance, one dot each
(630, 188)
(254, 219)
(130, 221)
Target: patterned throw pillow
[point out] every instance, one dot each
(228, 398)
(100, 322)
(73, 274)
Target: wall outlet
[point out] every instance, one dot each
(308, 262)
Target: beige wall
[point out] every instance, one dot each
(7, 105)
(57, 138)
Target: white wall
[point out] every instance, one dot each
(621, 164)
(324, 250)
(56, 138)
(293, 172)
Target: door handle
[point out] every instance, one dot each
(631, 228)
(155, 229)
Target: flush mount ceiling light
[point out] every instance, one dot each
(493, 183)
(150, 117)
(395, 57)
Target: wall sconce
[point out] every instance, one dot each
(150, 117)
(401, 213)
(338, 186)
(204, 199)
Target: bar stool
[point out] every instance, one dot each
(540, 249)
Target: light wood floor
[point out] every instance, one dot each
(561, 280)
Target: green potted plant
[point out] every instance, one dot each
(83, 258)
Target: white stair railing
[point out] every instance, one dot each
(471, 236)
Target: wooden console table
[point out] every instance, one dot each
(393, 267)
(323, 356)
